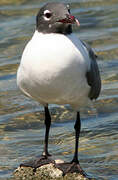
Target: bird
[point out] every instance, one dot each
(58, 68)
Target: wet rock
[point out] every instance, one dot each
(45, 172)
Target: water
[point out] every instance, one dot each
(21, 120)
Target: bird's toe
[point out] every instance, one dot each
(38, 162)
(72, 167)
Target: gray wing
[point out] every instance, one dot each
(93, 76)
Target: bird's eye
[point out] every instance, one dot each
(68, 7)
(69, 10)
(47, 15)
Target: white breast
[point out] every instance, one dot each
(53, 69)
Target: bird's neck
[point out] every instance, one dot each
(66, 30)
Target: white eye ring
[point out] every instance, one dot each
(68, 6)
(47, 15)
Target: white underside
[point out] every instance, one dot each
(53, 70)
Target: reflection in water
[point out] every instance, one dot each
(21, 120)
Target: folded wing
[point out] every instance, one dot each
(93, 75)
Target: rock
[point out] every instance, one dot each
(45, 172)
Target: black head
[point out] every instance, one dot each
(55, 18)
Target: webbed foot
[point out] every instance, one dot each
(38, 162)
(71, 168)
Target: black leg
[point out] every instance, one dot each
(74, 166)
(75, 162)
(47, 125)
(44, 159)
(77, 133)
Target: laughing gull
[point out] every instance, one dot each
(58, 68)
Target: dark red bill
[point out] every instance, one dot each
(69, 20)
